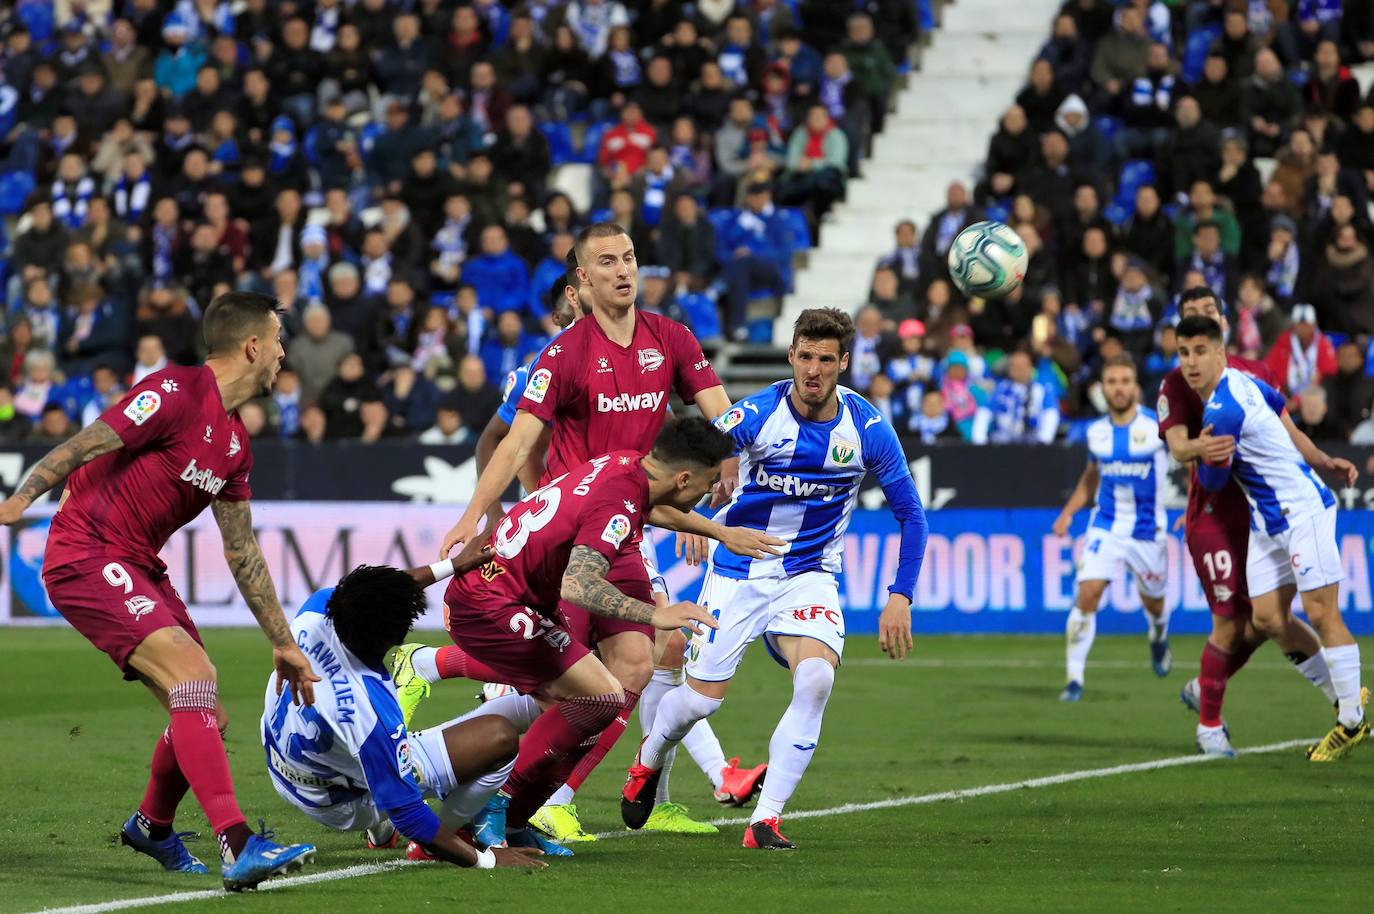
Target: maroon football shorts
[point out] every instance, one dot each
(1219, 547)
(116, 604)
(524, 648)
(628, 575)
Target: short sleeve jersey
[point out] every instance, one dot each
(600, 396)
(1180, 405)
(181, 451)
(601, 504)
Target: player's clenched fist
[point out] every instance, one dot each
(683, 615)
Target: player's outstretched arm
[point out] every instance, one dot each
(474, 554)
(86, 445)
(1079, 498)
(585, 584)
(449, 847)
(492, 436)
(739, 540)
(510, 455)
(235, 519)
(1317, 459)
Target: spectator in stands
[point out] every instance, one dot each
(1330, 85)
(905, 257)
(1272, 104)
(944, 226)
(1313, 415)
(126, 61)
(1020, 410)
(510, 348)
(804, 62)
(499, 276)
(175, 68)
(1088, 280)
(732, 147)
(1121, 56)
(1259, 321)
(1190, 151)
(1302, 357)
(425, 189)
(709, 100)
(53, 425)
(625, 147)
(475, 397)
(566, 73)
(13, 425)
(448, 426)
(1349, 392)
(872, 66)
(1042, 96)
(106, 391)
(316, 354)
(1238, 181)
(401, 64)
(759, 240)
(887, 296)
(518, 62)
(352, 404)
(1202, 207)
(1344, 282)
(38, 384)
(1089, 151)
(817, 156)
(45, 241)
(1050, 183)
(521, 153)
(1135, 309)
(1012, 149)
(844, 98)
(411, 401)
(1146, 107)
(1297, 163)
(393, 151)
(592, 20)
(688, 244)
(1328, 182)
(1236, 46)
(1149, 234)
(1356, 146)
(1086, 214)
(93, 332)
(871, 351)
(1068, 54)
(1220, 269)
(1218, 93)
(1283, 261)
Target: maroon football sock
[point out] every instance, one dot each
(562, 731)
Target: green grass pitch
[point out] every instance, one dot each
(1268, 832)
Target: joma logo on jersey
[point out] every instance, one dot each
(1137, 469)
(791, 485)
(628, 403)
(205, 480)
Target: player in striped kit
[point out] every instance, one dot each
(1126, 467)
(805, 445)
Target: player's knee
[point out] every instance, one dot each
(504, 741)
(813, 680)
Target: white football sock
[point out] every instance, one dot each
(794, 741)
(520, 710)
(1080, 631)
(1344, 662)
(425, 661)
(704, 747)
(678, 711)
(1158, 626)
(1316, 671)
(561, 797)
(463, 802)
(662, 682)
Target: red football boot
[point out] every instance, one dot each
(637, 798)
(763, 835)
(387, 844)
(415, 852)
(738, 785)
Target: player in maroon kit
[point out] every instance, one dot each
(558, 549)
(1217, 534)
(146, 467)
(603, 385)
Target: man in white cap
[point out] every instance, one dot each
(1302, 355)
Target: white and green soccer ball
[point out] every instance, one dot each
(987, 260)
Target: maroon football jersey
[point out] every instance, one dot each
(602, 504)
(181, 451)
(602, 397)
(1179, 404)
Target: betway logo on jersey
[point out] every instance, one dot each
(205, 480)
(628, 403)
(1140, 469)
(791, 485)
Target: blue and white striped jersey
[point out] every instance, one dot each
(1132, 462)
(352, 741)
(799, 481)
(1278, 483)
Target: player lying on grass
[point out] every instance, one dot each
(1217, 534)
(805, 446)
(1293, 519)
(555, 548)
(1124, 478)
(347, 761)
(150, 464)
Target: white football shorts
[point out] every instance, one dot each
(1105, 552)
(1305, 554)
(807, 605)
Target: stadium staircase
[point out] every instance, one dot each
(968, 73)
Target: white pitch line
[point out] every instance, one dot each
(369, 869)
(1017, 663)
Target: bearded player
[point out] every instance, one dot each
(1217, 534)
(1293, 547)
(604, 386)
(553, 550)
(152, 462)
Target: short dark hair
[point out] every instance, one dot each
(1206, 224)
(373, 608)
(1198, 293)
(692, 439)
(1119, 361)
(595, 230)
(824, 324)
(1198, 325)
(233, 317)
(570, 277)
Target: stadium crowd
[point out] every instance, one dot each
(1156, 146)
(390, 171)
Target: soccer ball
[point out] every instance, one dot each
(987, 260)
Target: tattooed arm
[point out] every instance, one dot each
(585, 584)
(86, 445)
(235, 519)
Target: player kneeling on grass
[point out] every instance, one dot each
(1126, 466)
(347, 761)
(1293, 519)
(805, 446)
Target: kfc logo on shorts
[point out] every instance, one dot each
(649, 360)
(617, 528)
(141, 408)
(538, 385)
(139, 606)
(812, 613)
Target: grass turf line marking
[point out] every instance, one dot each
(1015, 663)
(369, 869)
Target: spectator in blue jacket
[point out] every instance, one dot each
(92, 332)
(758, 239)
(500, 277)
(510, 348)
(393, 151)
(1021, 409)
(547, 272)
(411, 400)
(177, 65)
